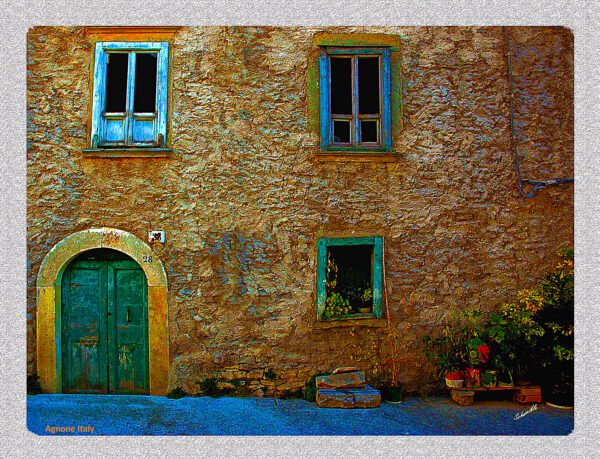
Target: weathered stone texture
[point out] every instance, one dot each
(350, 380)
(366, 397)
(244, 199)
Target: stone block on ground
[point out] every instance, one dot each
(354, 380)
(345, 370)
(366, 397)
(463, 397)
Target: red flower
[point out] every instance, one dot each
(484, 352)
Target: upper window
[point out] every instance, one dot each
(130, 95)
(355, 93)
(350, 277)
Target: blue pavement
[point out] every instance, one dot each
(141, 415)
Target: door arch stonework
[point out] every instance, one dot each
(48, 318)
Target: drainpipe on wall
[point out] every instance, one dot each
(537, 184)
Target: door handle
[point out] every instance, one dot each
(127, 315)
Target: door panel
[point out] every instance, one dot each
(104, 327)
(129, 351)
(84, 339)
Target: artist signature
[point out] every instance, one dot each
(522, 414)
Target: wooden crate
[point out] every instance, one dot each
(531, 394)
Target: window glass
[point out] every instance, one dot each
(368, 131)
(341, 131)
(144, 100)
(341, 85)
(116, 82)
(368, 85)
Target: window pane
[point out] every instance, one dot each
(368, 131)
(349, 274)
(144, 99)
(341, 131)
(116, 82)
(341, 86)
(368, 85)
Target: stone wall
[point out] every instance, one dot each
(245, 198)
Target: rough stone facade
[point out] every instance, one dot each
(245, 196)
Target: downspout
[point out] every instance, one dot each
(537, 184)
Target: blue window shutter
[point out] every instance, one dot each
(321, 276)
(325, 110)
(387, 103)
(377, 275)
(97, 133)
(162, 86)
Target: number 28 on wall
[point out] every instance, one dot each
(147, 258)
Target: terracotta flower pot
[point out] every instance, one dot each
(453, 375)
(473, 377)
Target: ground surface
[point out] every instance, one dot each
(140, 415)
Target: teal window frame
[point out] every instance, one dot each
(385, 84)
(376, 270)
(137, 129)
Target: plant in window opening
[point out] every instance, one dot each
(346, 294)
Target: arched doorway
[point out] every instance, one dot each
(49, 327)
(104, 324)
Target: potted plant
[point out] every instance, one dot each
(447, 352)
(504, 375)
(392, 393)
(555, 350)
(479, 353)
(366, 298)
(489, 378)
(454, 379)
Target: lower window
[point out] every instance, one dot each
(349, 278)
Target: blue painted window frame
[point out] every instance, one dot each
(376, 270)
(326, 123)
(158, 118)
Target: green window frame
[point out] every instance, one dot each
(376, 270)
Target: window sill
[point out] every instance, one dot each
(128, 152)
(365, 321)
(360, 156)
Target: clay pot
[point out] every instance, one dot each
(473, 377)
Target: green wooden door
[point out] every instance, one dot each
(84, 344)
(104, 326)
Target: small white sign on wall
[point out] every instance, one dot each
(156, 236)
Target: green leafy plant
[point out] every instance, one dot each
(513, 333)
(553, 356)
(367, 295)
(489, 378)
(335, 306)
(457, 345)
(355, 293)
(531, 337)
